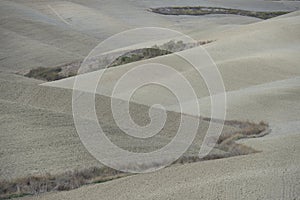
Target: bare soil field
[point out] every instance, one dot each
(257, 59)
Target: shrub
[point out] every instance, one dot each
(47, 74)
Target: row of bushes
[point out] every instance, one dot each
(199, 10)
(155, 51)
(32, 185)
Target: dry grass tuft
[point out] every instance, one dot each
(47, 183)
(226, 142)
(248, 130)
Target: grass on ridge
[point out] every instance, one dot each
(155, 51)
(199, 10)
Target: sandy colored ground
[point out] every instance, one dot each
(39, 137)
(262, 81)
(272, 174)
(259, 62)
(258, 74)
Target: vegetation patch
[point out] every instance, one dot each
(46, 74)
(137, 55)
(33, 185)
(226, 145)
(54, 73)
(155, 51)
(199, 10)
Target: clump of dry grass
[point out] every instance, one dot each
(226, 143)
(247, 130)
(32, 185)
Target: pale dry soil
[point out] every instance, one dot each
(272, 174)
(258, 60)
